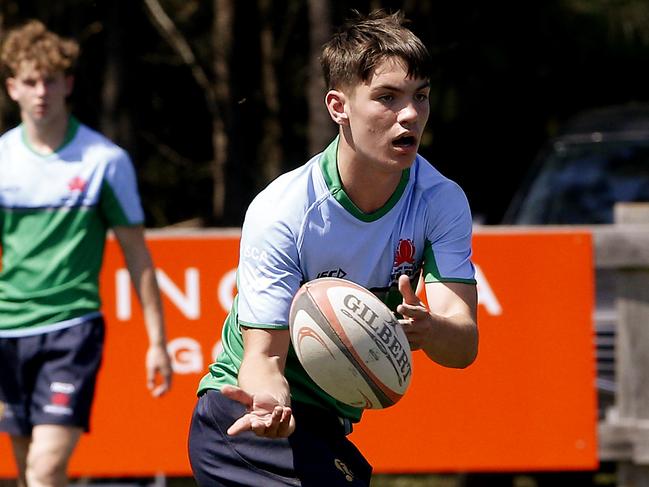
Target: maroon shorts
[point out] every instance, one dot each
(50, 378)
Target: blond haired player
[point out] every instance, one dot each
(62, 185)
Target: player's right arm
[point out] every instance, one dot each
(268, 277)
(263, 389)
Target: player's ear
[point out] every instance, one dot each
(335, 101)
(10, 84)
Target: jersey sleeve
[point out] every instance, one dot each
(447, 252)
(119, 200)
(268, 274)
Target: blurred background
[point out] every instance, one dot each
(213, 99)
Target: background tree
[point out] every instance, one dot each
(3, 95)
(321, 129)
(115, 118)
(234, 94)
(216, 92)
(269, 145)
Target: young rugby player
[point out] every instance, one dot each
(61, 186)
(368, 209)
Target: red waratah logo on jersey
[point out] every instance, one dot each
(77, 184)
(405, 253)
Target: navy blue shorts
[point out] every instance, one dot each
(317, 454)
(50, 378)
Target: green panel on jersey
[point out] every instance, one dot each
(329, 165)
(431, 271)
(111, 207)
(50, 265)
(226, 370)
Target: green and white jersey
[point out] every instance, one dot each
(54, 213)
(303, 226)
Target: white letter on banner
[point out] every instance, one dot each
(123, 295)
(486, 296)
(186, 355)
(190, 302)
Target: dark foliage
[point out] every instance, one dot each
(507, 74)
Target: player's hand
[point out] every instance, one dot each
(417, 322)
(265, 416)
(158, 370)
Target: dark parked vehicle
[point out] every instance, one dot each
(600, 157)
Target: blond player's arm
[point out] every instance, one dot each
(263, 389)
(140, 267)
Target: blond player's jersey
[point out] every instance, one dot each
(54, 213)
(304, 226)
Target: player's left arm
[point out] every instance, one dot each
(447, 329)
(140, 267)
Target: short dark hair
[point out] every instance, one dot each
(363, 43)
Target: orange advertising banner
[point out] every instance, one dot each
(527, 403)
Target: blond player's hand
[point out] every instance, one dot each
(158, 370)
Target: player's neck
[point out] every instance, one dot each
(45, 137)
(367, 186)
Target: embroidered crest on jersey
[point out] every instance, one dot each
(404, 259)
(77, 184)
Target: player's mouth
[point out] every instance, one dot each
(405, 142)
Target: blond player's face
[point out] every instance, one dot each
(387, 115)
(41, 96)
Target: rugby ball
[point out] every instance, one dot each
(350, 343)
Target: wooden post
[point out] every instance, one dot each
(632, 357)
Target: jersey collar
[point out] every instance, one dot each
(329, 167)
(71, 131)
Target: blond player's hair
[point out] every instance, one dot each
(33, 43)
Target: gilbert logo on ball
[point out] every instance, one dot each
(350, 343)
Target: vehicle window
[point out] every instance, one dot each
(580, 183)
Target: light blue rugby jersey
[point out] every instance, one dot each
(54, 213)
(303, 226)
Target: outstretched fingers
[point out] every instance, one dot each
(282, 423)
(237, 394)
(263, 419)
(277, 424)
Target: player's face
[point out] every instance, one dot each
(387, 115)
(41, 96)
